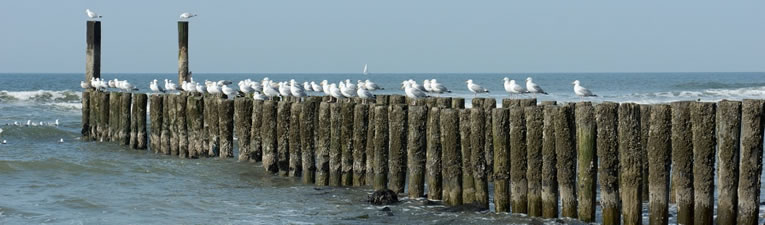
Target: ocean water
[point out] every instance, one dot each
(74, 182)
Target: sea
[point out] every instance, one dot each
(46, 181)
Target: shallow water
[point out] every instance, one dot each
(103, 183)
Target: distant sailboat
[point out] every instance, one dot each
(365, 69)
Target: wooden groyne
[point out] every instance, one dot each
(541, 155)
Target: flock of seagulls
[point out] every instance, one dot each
(93, 15)
(266, 88)
(100, 84)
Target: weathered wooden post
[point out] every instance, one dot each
(682, 161)
(139, 106)
(155, 116)
(307, 139)
(396, 99)
(165, 133)
(458, 103)
(360, 121)
(630, 163)
(704, 142)
(488, 104)
(645, 117)
(226, 125)
(295, 146)
(381, 148)
(92, 50)
(195, 124)
(397, 151)
(243, 126)
(346, 144)
(606, 115)
(268, 133)
(370, 153)
(503, 170)
(550, 192)
(478, 157)
(565, 149)
(468, 182)
(659, 149)
(172, 126)
(335, 151)
(323, 144)
(751, 161)
(534, 137)
(416, 150)
(104, 119)
(587, 160)
(452, 159)
(93, 115)
(282, 136)
(183, 51)
(213, 121)
(433, 155)
(85, 132)
(256, 141)
(518, 161)
(728, 137)
(183, 135)
(133, 126)
(115, 98)
(444, 102)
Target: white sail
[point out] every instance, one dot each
(365, 69)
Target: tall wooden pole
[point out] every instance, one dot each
(93, 50)
(183, 51)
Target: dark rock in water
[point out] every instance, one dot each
(385, 209)
(389, 213)
(383, 197)
(536, 221)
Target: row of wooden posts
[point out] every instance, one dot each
(535, 155)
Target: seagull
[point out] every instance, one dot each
(61, 140)
(1, 130)
(412, 92)
(475, 88)
(245, 86)
(364, 94)
(284, 89)
(347, 90)
(186, 16)
(212, 87)
(438, 88)
(581, 91)
(91, 14)
(296, 90)
(54, 123)
(513, 88)
(372, 86)
(335, 92)
(4, 142)
(532, 87)
(256, 87)
(154, 87)
(85, 84)
(127, 86)
(258, 96)
(316, 87)
(269, 90)
(426, 84)
(228, 91)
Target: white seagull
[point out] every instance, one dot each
(186, 16)
(170, 86)
(438, 88)
(475, 88)
(364, 94)
(91, 14)
(154, 87)
(372, 86)
(413, 92)
(335, 92)
(296, 90)
(581, 91)
(532, 87)
(228, 91)
(85, 84)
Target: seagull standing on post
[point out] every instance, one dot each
(92, 15)
(438, 88)
(532, 87)
(581, 91)
(475, 88)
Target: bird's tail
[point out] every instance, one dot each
(486, 90)
(544, 93)
(100, 16)
(448, 91)
(135, 89)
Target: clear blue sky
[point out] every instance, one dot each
(392, 36)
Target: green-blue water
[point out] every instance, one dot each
(75, 182)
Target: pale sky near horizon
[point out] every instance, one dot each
(392, 36)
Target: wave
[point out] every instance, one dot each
(40, 96)
(715, 85)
